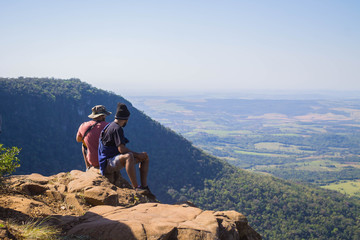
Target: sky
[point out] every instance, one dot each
(175, 47)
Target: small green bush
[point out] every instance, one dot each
(8, 160)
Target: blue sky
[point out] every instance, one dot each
(149, 47)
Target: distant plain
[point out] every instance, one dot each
(314, 141)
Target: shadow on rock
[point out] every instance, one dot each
(159, 221)
(8, 213)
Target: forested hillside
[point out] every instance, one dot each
(41, 116)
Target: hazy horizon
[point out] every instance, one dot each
(187, 46)
(252, 94)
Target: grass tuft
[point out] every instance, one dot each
(33, 229)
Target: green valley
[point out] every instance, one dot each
(314, 141)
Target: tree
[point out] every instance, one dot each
(8, 160)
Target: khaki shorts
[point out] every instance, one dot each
(112, 170)
(113, 164)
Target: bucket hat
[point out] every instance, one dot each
(99, 110)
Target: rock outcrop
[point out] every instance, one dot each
(70, 193)
(87, 204)
(162, 221)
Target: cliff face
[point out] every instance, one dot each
(87, 204)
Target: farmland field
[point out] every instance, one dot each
(313, 141)
(351, 188)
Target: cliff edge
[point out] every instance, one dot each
(87, 205)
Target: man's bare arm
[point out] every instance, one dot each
(79, 138)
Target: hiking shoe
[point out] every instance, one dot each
(145, 191)
(149, 194)
(142, 190)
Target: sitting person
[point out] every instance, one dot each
(89, 133)
(114, 155)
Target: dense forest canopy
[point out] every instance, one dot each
(41, 116)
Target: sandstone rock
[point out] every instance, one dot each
(64, 222)
(100, 196)
(67, 196)
(38, 178)
(160, 221)
(54, 195)
(129, 197)
(58, 186)
(26, 206)
(82, 180)
(235, 226)
(59, 175)
(236, 216)
(73, 203)
(33, 188)
(61, 178)
(122, 183)
(61, 188)
(76, 173)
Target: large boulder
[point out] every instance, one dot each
(162, 221)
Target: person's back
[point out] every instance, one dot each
(92, 140)
(89, 133)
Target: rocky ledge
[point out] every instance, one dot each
(162, 221)
(86, 204)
